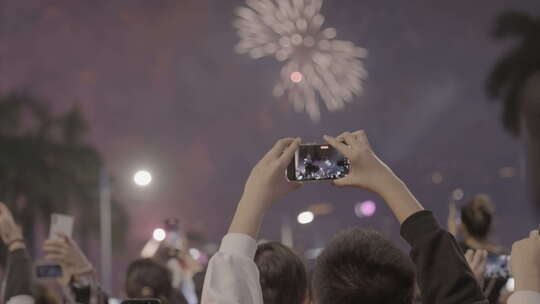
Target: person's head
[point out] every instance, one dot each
(282, 274)
(360, 266)
(477, 216)
(148, 279)
(44, 295)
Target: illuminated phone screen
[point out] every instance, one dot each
(317, 162)
(48, 271)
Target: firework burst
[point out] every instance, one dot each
(315, 62)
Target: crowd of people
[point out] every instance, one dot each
(356, 266)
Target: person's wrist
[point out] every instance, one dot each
(387, 183)
(254, 204)
(16, 244)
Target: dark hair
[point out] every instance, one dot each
(477, 216)
(198, 281)
(44, 295)
(283, 275)
(148, 279)
(360, 266)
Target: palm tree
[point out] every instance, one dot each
(515, 80)
(46, 165)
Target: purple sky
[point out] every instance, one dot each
(164, 90)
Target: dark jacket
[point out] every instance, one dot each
(444, 277)
(19, 274)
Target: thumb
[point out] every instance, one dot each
(341, 182)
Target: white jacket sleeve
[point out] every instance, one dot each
(21, 299)
(232, 276)
(524, 297)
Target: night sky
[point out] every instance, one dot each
(164, 90)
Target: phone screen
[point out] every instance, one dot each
(48, 271)
(498, 266)
(317, 162)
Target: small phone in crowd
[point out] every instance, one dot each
(48, 271)
(174, 239)
(141, 301)
(60, 224)
(317, 162)
(498, 266)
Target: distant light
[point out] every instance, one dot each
(321, 209)
(365, 209)
(510, 285)
(313, 253)
(159, 234)
(297, 77)
(437, 178)
(457, 194)
(142, 178)
(195, 253)
(305, 217)
(507, 172)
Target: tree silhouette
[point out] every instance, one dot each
(47, 166)
(515, 79)
(510, 74)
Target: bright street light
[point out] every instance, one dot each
(305, 217)
(159, 234)
(142, 178)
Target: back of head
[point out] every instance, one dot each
(282, 274)
(148, 279)
(477, 216)
(360, 266)
(44, 295)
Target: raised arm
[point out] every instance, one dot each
(79, 276)
(443, 273)
(19, 276)
(232, 276)
(526, 270)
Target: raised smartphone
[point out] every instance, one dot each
(317, 162)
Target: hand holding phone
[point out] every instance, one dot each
(367, 171)
(48, 271)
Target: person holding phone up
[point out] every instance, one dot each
(232, 276)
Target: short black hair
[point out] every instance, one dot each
(283, 275)
(361, 266)
(147, 278)
(477, 216)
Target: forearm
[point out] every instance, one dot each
(232, 276)
(19, 277)
(400, 200)
(435, 252)
(247, 218)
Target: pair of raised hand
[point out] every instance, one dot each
(62, 250)
(267, 182)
